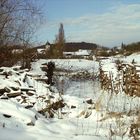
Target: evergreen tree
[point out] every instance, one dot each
(59, 42)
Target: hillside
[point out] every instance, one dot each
(74, 46)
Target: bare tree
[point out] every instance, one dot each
(18, 22)
(18, 19)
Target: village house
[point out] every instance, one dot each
(78, 54)
(17, 51)
(41, 50)
(68, 54)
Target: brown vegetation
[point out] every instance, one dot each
(130, 78)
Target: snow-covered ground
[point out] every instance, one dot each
(90, 113)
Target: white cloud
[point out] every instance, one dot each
(122, 23)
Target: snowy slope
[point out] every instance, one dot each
(89, 112)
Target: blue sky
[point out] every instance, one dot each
(105, 22)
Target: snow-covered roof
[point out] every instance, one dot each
(78, 53)
(17, 50)
(68, 53)
(41, 50)
(83, 52)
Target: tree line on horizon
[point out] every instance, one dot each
(132, 47)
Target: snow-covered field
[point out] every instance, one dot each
(89, 112)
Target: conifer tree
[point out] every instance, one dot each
(60, 42)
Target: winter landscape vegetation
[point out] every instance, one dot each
(82, 83)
